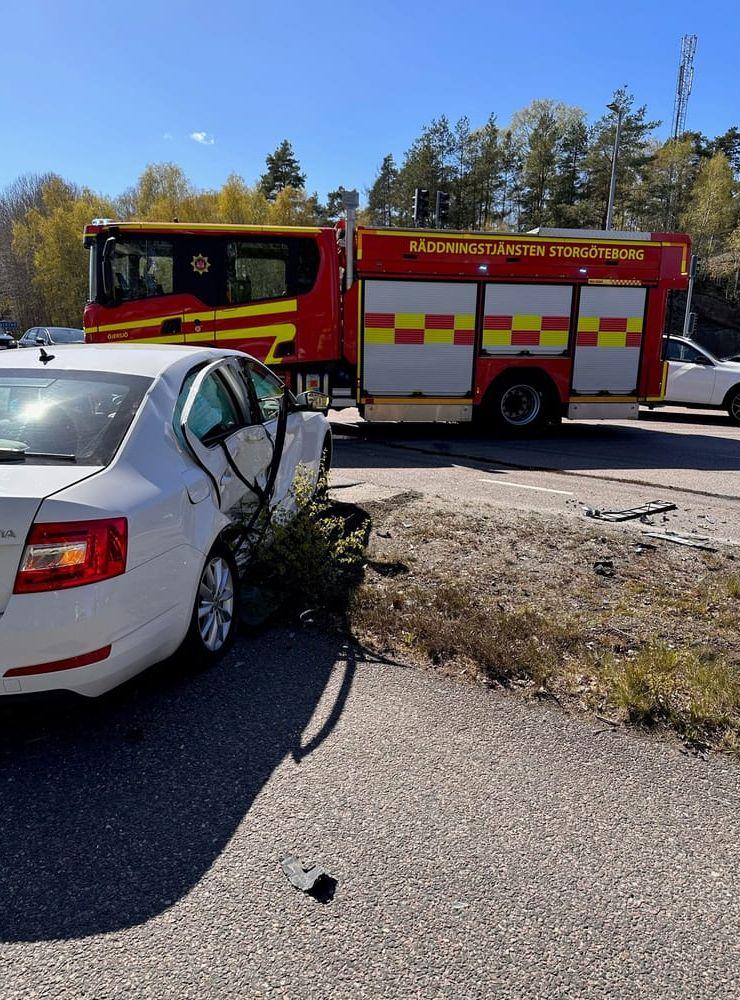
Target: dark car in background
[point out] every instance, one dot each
(47, 336)
(7, 341)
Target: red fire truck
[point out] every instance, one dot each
(406, 325)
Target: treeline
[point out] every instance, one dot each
(548, 167)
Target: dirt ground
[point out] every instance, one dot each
(594, 614)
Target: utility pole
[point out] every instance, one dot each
(618, 110)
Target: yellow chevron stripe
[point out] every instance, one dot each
(259, 309)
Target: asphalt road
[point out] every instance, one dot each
(687, 457)
(482, 846)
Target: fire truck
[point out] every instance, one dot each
(419, 325)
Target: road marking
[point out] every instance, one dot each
(524, 486)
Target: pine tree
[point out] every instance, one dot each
(382, 202)
(283, 170)
(634, 154)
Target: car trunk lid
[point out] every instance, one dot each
(22, 490)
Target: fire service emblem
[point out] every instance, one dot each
(200, 264)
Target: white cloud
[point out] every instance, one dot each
(203, 138)
(167, 135)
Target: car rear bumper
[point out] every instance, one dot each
(142, 615)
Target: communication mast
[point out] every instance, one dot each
(683, 84)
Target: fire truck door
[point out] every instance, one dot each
(418, 338)
(609, 340)
(199, 273)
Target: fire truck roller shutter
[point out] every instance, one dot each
(418, 338)
(527, 319)
(608, 340)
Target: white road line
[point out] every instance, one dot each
(524, 486)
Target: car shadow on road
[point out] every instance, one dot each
(112, 810)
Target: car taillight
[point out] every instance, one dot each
(71, 554)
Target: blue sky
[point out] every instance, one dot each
(95, 91)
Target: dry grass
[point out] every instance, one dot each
(513, 599)
(439, 622)
(697, 696)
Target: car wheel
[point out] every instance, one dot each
(215, 617)
(733, 406)
(517, 405)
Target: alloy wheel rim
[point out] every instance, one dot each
(215, 604)
(520, 404)
(736, 406)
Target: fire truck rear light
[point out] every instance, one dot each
(71, 554)
(84, 660)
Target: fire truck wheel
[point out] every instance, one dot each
(518, 405)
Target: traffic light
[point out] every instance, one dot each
(442, 208)
(421, 206)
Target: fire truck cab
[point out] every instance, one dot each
(416, 324)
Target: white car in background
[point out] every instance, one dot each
(123, 471)
(698, 379)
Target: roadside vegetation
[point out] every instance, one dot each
(512, 600)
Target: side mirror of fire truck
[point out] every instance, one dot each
(107, 266)
(312, 400)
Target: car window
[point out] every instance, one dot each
(268, 390)
(678, 351)
(65, 335)
(68, 416)
(214, 414)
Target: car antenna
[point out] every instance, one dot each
(45, 358)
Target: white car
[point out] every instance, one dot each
(125, 472)
(698, 379)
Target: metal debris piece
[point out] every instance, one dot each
(632, 513)
(315, 881)
(693, 541)
(604, 567)
(645, 547)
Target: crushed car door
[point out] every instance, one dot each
(216, 424)
(268, 393)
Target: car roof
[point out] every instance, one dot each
(151, 360)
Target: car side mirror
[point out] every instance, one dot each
(702, 361)
(40, 341)
(312, 400)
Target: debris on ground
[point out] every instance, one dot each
(313, 880)
(632, 513)
(604, 567)
(693, 541)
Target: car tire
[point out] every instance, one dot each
(518, 406)
(215, 617)
(733, 406)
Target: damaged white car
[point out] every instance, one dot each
(122, 471)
